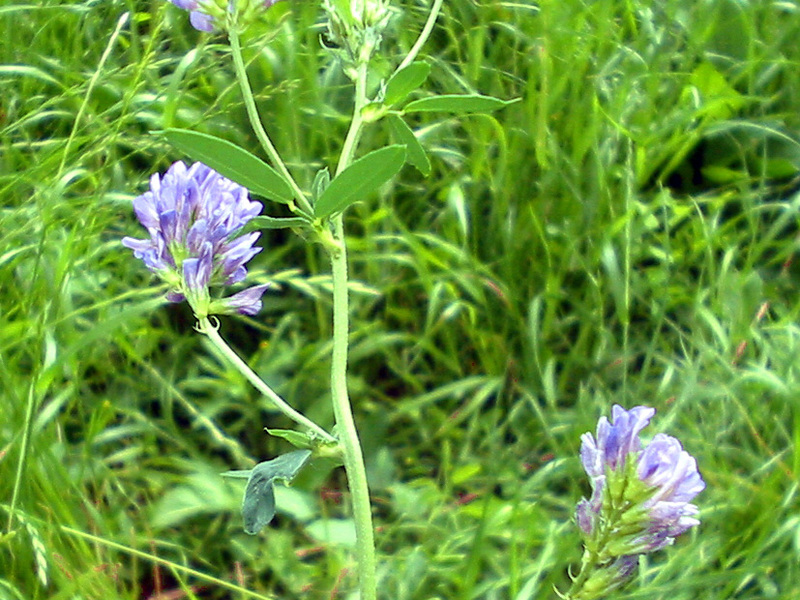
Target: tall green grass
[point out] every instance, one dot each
(626, 233)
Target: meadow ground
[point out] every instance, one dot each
(628, 232)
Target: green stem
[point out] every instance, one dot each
(255, 120)
(99, 541)
(205, 326)
(423, 36)
(348, 436)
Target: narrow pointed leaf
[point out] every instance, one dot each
(405, 81)
(416, 153)
(457, 104)
(264, 222)
(295, 438)
(233, 162)
(360, 179)
(241, 474)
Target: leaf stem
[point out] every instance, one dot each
(348, 435)
(205, 326)
(255, 120)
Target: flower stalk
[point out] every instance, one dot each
(255, 119)
(207, 328)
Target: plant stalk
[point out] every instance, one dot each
(348, 436)
(255, 121)
(205, 326)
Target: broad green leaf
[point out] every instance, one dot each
(416, 153)
(360, 179)
(405, 81)
(457, 104)
(233, 162)
(258, 506)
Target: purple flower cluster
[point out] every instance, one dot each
(192, 215)
(204, 14)
(643, 491)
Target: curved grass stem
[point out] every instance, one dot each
(258, 127)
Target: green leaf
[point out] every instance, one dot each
(333, 531)
(295, 438)
(321, 181)
(258, 506)
(458, 104)
(405, 81)
(242, 474)
(360, 179)
(233, 162)
(416, 153)
(257, 223)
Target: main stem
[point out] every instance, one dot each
(348, 436)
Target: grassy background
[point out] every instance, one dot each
(626, 233)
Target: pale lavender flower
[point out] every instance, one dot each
(667, 467)
(207, 15)
(193, 215)
(640, 499)
(645, 486)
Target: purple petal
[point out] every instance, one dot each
(195, 213)
(247, 302)
(584, 516)
(185, 4)
(666, 465)
(201, 21)
(197, 271)
(623, 437)
(175, 296)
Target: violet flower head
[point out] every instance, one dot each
(641, 493)
(193, 215)
(208, 15)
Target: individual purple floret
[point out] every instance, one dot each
(645, 488)
(192, 215)
(205, 15)
(667, 467)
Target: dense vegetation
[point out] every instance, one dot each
(625, 233)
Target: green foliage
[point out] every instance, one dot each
(627, 232)
(458, 104)
(360, 180)
(233, 162)
(258, 506)
(405, 81)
